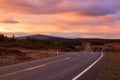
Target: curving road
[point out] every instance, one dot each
(69, 66)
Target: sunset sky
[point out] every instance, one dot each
(64, 18)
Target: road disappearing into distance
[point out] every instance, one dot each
(68, 66)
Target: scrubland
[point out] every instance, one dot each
(111, 69)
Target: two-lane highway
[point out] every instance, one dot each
(70, 66)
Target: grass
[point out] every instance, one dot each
(9, 56)
(7, 51)
(111, 69)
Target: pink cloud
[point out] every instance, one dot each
(86, 17)
(86, 7)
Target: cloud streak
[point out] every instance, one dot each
(73, 18)
(9, 21)
(86, 7)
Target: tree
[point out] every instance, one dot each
(2, 38)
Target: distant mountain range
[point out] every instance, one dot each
(44, 37)
(94, 41)
(40, 36)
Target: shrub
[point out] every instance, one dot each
(9, 51)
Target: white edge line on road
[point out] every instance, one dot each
(79, 75)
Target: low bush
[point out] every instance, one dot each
(9, 51)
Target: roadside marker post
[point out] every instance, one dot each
(57, 52)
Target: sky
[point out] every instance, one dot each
(63, 18)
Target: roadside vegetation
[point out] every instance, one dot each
(111, 69)
(14, 50)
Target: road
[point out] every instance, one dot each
(69, 66)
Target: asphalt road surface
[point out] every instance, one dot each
(69, 66)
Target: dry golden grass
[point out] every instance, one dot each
(9, 56)
(111, 70)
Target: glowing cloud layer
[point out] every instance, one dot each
(67, 18)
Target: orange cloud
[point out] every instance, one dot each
(76, 18)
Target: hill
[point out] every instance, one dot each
(40, 36)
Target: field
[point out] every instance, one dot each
(111, 69)
(9, 56)
(13, 50)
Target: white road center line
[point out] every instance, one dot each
(84, 71)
